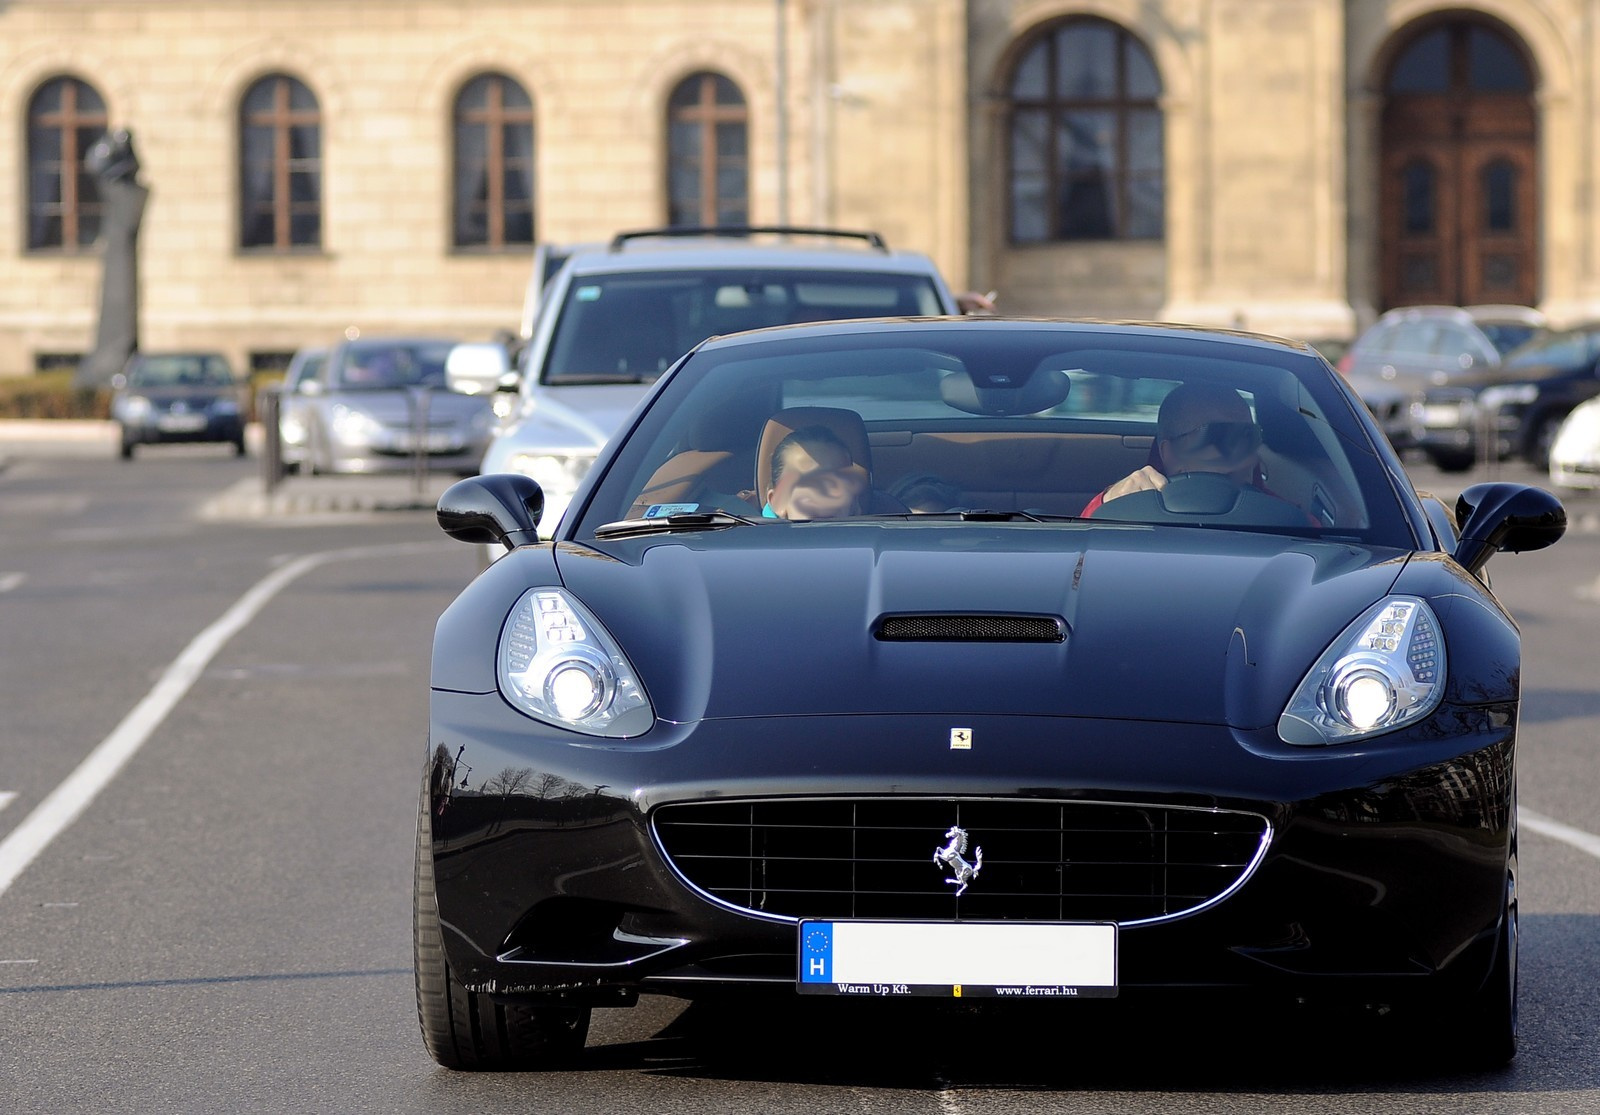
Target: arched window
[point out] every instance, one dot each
(708, 159)
(1086, 137)
(65, 117)
(493, 164)
(280, 166)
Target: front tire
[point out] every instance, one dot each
(463, 1029)
(1489, 1021)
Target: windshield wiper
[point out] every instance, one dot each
(672, 524)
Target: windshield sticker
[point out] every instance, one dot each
(662, 510)
(588, 294)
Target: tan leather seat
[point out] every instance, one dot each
(847, 426)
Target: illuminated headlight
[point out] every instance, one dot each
(354, 425)
(1386, 670)
(558, 474)
(135, 408)
(557, 664)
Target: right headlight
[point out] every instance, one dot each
(1386, 669)
(557, 664)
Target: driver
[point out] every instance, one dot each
(1201, 427)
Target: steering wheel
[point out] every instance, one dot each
(1203, 498)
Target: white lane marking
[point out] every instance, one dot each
(9, 581)
(69, 799)
(1549, 826)
(5, 797)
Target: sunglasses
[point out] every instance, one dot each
(1233, 441)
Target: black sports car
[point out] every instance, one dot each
(979, 658)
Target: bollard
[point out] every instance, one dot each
(272, 468)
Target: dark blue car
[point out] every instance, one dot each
(1170, 682)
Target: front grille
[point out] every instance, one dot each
(1042, 861)
(971, 629)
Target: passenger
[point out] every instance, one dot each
(813, 477)
(1201, 427)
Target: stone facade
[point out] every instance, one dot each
(893, 118)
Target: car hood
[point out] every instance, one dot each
(394, 407)
(565, 419)
(1159, 624)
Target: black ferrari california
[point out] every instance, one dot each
(976, 659)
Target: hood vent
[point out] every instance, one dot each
(967, 628)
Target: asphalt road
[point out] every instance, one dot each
(215, 715)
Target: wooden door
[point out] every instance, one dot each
(1459, 191)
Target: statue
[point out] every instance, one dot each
(112, 161)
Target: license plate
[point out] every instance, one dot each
(958, 959)
(1435, 415)
(431, 443)
(181, 423)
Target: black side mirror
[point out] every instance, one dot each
(501, 507)
(1510, 517)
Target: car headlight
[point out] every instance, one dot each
(224, 406)
(558, 474)
(135, 408)
(1519, 394)
(557, 664)
(354, 425)
(1386, 669)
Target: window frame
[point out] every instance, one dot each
(1055, 107)
(480, 194)
(277, 202)
(77, 210)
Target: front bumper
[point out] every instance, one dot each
(1383, 873)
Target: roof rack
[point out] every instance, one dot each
(621, 239)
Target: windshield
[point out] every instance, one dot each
(630, 327)
(1019, 423)
(181, 371)
(1567, 348)
(387, 365)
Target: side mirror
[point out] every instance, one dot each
(1511, 517)
(477, 368)
(501, 507)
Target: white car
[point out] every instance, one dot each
(614, 318)
(1575, 453)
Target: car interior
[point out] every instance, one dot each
(1066, 434)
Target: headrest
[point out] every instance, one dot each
(846, 424)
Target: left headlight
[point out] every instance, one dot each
(1386, 669)
(557, 664)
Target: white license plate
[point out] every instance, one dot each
(181, 423)
(960, 959)
(1441, 415)
(431, 443)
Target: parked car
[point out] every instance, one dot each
(1522, 402)
(617, 317)
(382, 404)
(163, 397)
(1575, 450)
(1414, 349)
(293, 402)
(1224, 738)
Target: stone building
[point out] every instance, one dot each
(316, 166)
